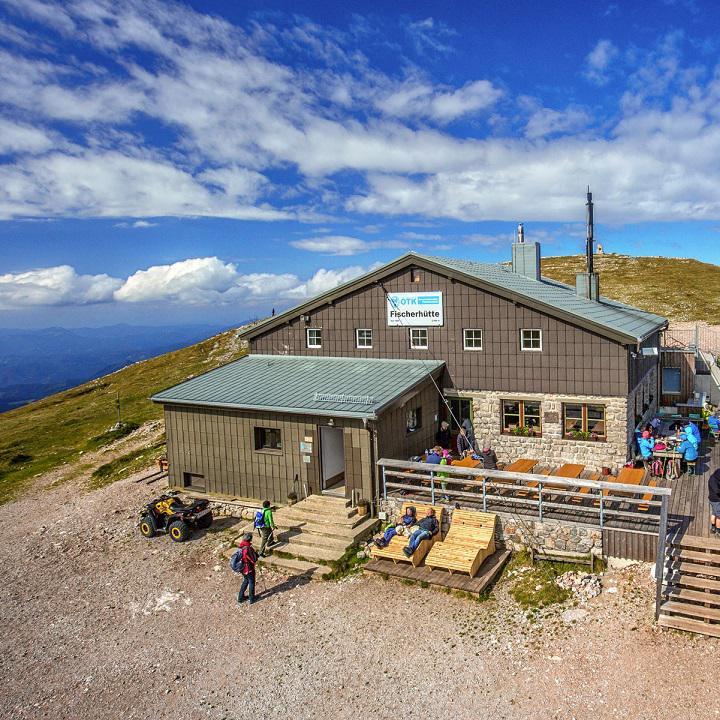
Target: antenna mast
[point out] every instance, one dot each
(590, 240)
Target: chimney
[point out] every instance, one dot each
(587, 284)
(525, 256)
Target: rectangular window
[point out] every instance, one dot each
(531, 340)
(521, 417)
(363, 338)
(414, 419)
(472, 339)
(582, 421)
(418, 338)
(415, 275)
(314, 337)
(267, 439)
(671, 381)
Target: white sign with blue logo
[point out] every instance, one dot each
(415, 309)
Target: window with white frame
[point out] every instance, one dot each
(363, 338)
(531, 339)
(473, 339)
(418, 338)
(314, 337)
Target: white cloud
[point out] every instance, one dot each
(598, 62)
(60, 285)
(546, 121)
(17, 138)
(343, 245)
(418, 100)
(143, 224)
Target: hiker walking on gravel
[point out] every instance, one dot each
(243, 561)
(265, 525)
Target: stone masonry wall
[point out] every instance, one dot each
(516, 533)
(551, 449)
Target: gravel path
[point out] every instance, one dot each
(101, 623)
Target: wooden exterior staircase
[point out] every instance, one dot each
(690, 598)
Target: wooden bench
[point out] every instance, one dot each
(394, 549)
(470, 540)
(595, 477)
(647, 496)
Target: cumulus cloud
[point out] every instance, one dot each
(204, 281)
(60, 285)
(598, 62)
(546, 121)
(343, 245)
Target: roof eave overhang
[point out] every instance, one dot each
(372, 415)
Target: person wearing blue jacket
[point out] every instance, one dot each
(646, 445)
(687, 449)
(692, 429)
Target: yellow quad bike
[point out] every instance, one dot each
(169, 514)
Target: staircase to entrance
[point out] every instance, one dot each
(316, 532)
(691, 590)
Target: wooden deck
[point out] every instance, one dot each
(489, 571)
(634, 538)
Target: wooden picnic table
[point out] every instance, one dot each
(524, 465)
(467, 462)
(568, 470)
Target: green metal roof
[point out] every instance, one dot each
(347, 387)
(606, 313)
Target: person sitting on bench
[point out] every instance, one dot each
(687, 449)
(691, 429)
(714, 424)
(428, 527)
(646, 446)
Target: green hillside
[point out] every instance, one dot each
(59, 429)
(680, 289)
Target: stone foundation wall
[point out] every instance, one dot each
(517, 533)
(552, 449)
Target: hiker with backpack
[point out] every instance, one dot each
(265, 525)
(243, 561)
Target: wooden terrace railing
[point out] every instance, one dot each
(530, 491)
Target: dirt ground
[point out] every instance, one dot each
(98, 622)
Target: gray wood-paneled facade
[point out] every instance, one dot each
(573, 361)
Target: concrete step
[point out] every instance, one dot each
(350, 533)
(688, 625)
(298, 514)
(304, 547)
(296, 567)
(323, 507)
(694, 611)
(327, 541)
(328, 500)
(686, 595)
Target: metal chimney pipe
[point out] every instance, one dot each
(590, 239)
(520, 233)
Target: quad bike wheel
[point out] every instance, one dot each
(205, 522)
(179, 531)
(147, 526)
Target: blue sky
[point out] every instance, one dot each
(164, 162)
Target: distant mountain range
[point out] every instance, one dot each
(37, 363)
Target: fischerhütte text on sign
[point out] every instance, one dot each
(415, 309)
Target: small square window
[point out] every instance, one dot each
(531, 340)
(268, 439)
(363, 338)
(415, 275)
(314, 337)
(418, 338)
(472, 339)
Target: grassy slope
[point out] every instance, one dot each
(677, 288)
(47, 433)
